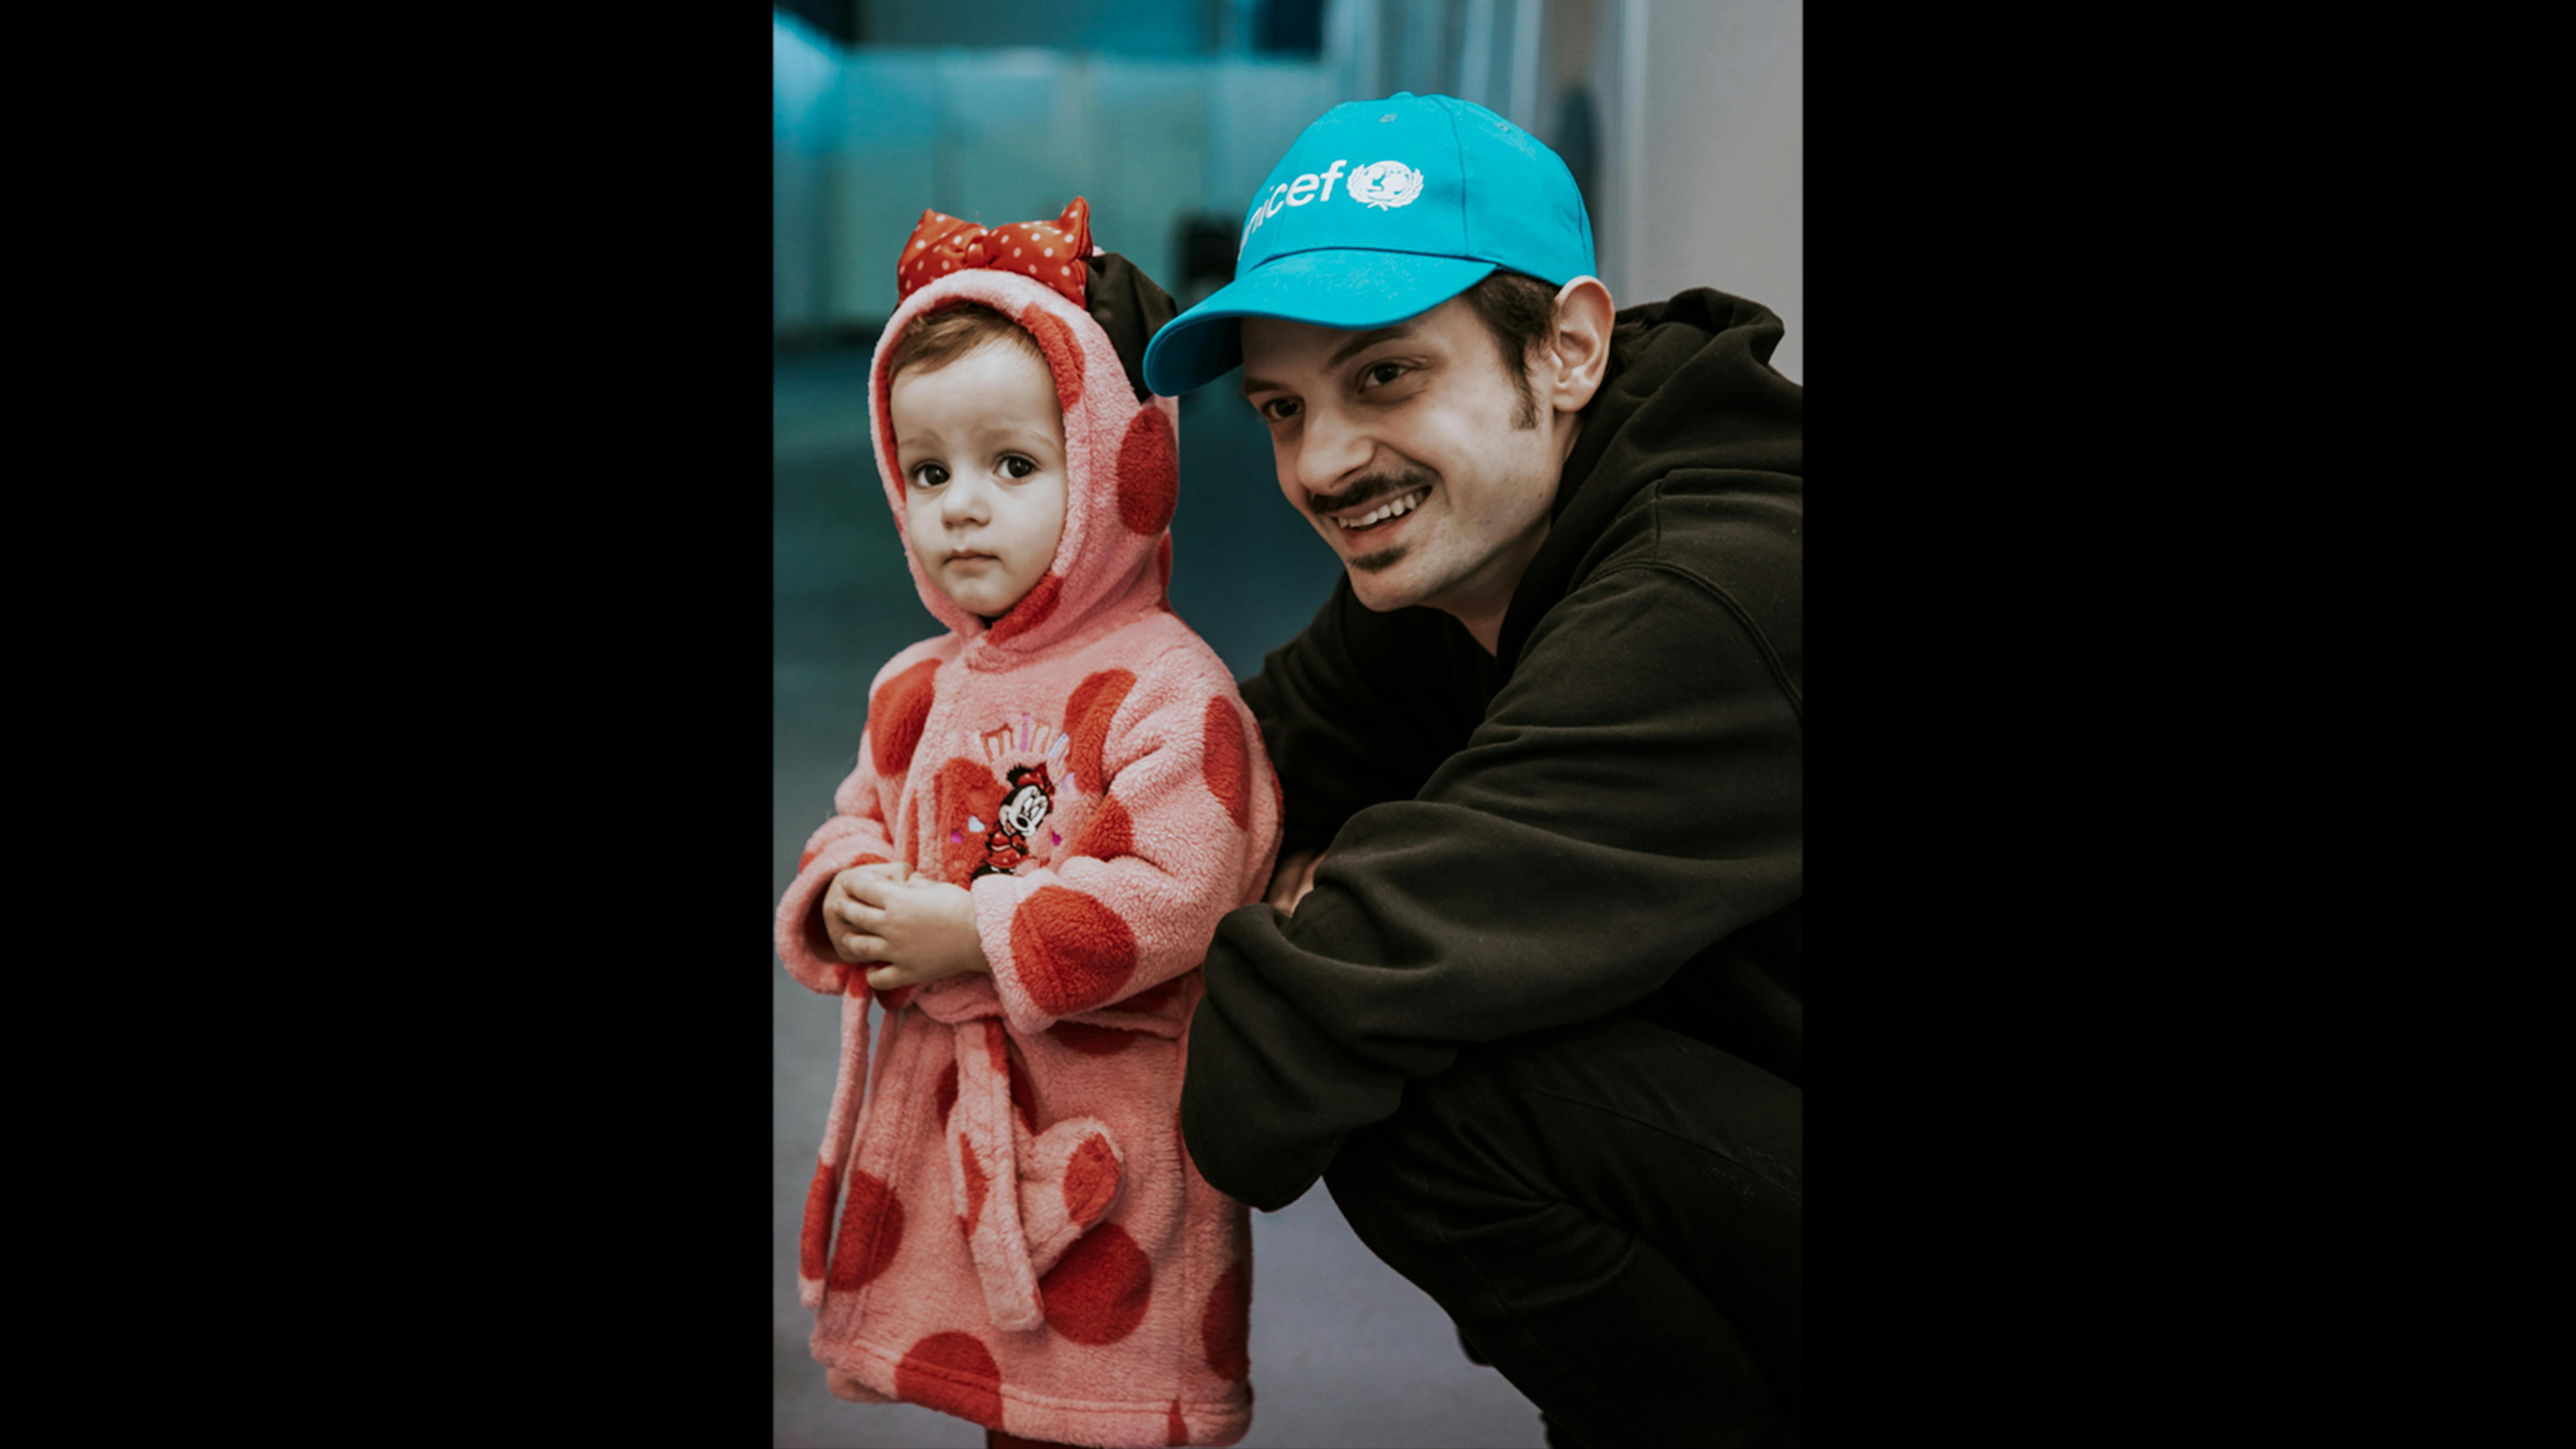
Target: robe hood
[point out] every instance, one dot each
(1122, 470)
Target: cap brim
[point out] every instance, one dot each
(1352, 290)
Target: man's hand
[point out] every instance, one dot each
(922, 929)
(1294, 877)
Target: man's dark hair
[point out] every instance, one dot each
(1519, 311)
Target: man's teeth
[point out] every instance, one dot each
(1396, 509)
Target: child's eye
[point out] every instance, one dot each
(929, 475)
(1279, 409)
(1019, 467)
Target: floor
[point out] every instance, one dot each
(1344, 1352)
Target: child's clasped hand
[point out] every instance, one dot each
(913, 929)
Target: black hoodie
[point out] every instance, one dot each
(1602, 815)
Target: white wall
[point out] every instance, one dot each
(1697, 114)
(1711, 130)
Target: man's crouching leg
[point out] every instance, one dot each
(1610, 1211)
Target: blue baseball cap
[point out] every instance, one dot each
(1381, 211)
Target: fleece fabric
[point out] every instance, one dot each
(1602, 815)
(1022, 1240)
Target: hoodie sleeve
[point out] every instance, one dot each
(857, 833)
(1631, 796)
(1185, 830)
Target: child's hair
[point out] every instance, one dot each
(950, 333)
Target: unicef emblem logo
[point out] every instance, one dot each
(1385, 184)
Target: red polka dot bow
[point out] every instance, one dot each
(1051, 251)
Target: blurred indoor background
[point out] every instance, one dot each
(1681, 120)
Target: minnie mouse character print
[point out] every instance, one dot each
(1023, 810)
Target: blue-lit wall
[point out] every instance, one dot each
(1170, 29)
(866, 139)
(1682, 118)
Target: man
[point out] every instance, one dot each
(1526, 993)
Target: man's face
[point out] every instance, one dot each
(1399, 445)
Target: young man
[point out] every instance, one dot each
(1526, 993)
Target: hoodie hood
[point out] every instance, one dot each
(1122, 471)
(1699, 393)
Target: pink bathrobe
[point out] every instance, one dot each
(1023, 1240)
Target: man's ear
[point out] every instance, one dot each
(1578, 343)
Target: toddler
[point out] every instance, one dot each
(1054, 803)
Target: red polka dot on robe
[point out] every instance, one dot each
(1005, 1226)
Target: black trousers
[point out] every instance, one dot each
(1610, 1212)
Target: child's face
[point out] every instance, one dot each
(981, 445)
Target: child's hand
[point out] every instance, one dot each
(923, 929)
(837, 898)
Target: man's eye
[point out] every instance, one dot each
(1279, 409)
(1383, 373)
(1018, 467)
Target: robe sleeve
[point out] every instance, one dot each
(1184, 827)
(857, 833)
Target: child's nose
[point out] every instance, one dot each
(964, 502)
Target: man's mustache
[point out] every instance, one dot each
(1375, 488)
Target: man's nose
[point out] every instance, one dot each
(1331, 451)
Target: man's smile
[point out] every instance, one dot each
(1377, 502)
(1365, 517)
